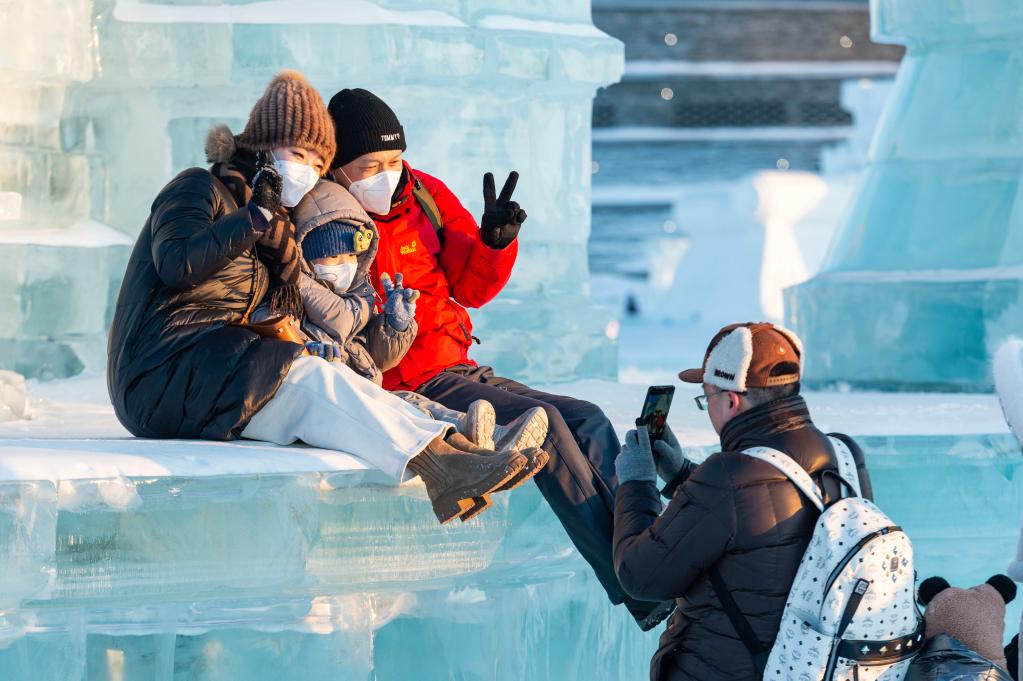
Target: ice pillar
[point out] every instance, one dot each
(923, 279)
(496, 85)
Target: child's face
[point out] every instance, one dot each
(336, 259)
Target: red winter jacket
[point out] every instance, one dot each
(462, 272)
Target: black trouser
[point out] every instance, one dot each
(579, 479)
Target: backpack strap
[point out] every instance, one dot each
(757, 650)
(425, 200)
(792, 470)
(846, 465)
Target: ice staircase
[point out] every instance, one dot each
(714, 92)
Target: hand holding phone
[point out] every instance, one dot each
(655, 410)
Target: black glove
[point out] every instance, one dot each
(502, 217)
(267, 186)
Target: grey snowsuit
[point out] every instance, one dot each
(349, 318)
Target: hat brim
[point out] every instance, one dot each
(691, 376)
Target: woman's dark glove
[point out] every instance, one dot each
(267, 186)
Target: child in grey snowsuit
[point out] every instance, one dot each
(339, 242)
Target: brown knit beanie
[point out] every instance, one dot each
(290, 114)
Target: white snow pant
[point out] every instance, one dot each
(327, 405)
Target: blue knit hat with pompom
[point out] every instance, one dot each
(329, 239)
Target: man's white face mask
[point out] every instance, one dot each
(374, 193)
(298, 178)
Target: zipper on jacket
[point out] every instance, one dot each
(469, 338)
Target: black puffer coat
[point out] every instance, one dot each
(945, 658)
(177, 368)
(738, 513)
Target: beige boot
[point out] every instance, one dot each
(454, 477)
(536, 458)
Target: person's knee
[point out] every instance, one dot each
(557, 427)
(587, 411)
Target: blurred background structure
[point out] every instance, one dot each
(723, 161)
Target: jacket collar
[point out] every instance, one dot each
(764, 421)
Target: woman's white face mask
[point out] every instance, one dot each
(375, 192)
(298, 178)
(340, 277)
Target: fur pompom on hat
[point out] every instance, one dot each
(290, 114)
(220, 144)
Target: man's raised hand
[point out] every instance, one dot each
(502, 217)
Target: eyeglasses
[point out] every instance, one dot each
(702, 400)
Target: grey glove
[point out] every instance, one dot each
(327, 351)
(400, 303)
(668, 455)
(636, 462)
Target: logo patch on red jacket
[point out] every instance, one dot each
(409, 248)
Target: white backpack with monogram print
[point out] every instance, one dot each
(851, 614)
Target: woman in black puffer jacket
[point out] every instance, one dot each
(178, 364)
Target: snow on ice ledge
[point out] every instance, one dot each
(133, 559)
(350, 12)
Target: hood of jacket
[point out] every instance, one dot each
(329, 202)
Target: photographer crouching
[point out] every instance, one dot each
(729, 543)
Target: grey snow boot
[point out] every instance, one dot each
(529, 430)
(454, 477)
(477, 423)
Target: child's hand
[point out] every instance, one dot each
(400, 305)
(327, 351)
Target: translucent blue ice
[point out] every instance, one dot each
(302, 576)
(924, 277)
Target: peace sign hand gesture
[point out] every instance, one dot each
(502, 217)
(399, 303)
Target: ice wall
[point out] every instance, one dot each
(58, 267)
(923, 279)
(291, 577)
(113, 97)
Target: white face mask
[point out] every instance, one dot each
(375, 192)
(298, 180)
(340, 277)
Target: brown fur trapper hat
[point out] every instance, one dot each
(290, 114)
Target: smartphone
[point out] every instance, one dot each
(655, 410)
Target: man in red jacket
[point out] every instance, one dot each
(428, 236)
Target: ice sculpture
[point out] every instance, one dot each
(923, 279)
(289, 576)
(214, 569)
(110, 98)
